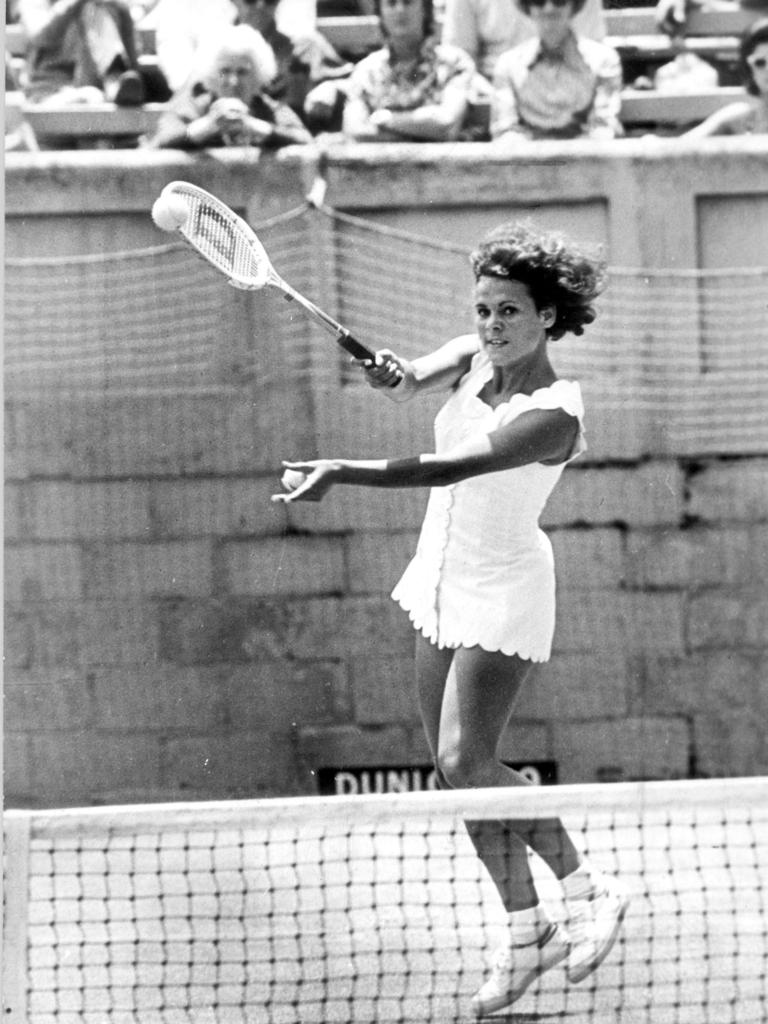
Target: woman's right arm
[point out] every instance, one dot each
(438, 371)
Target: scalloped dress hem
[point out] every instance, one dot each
(536, 657)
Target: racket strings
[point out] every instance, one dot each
(223, 239)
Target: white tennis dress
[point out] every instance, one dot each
(483, 574)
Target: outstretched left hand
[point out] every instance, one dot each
(305, 481)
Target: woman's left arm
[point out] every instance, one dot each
(540, 435)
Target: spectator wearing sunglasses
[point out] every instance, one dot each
(487, 28)
(750, 115)
(558, 85)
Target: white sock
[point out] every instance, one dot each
(527, 926)
(583, 883)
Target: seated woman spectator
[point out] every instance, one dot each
(558, 85)
(81, 51)
(414, 87)
(487, 28)
(227, 104)
(750, 115)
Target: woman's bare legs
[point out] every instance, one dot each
(466, 697)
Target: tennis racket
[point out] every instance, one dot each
(232, 247)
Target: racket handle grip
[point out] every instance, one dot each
(353, 346)
(357, 349)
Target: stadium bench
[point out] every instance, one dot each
(641, 21)
(97, 120)
(105, 120)
(640, 106)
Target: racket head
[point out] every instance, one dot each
(221, 237)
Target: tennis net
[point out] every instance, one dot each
(376, 909)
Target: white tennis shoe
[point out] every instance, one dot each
(593, 927)
(515, 968)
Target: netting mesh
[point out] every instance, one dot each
(682, 348)
(378, 909)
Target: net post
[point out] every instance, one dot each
(16, 828)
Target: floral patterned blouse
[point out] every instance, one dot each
(382, 84)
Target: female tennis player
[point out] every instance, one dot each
(480, 590)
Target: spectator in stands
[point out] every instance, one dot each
(304, 59)
(558, 85)
(226, 105)
(750, 115)
(414, 87)
(488, 28)
(81, 51)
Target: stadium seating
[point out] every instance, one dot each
(628, 27)
(106, 121)
(633, 31)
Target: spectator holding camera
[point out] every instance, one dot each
(228, 104)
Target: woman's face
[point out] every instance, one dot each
(402, 19)
(236, 76)
(509, 325)
(552, 19)
(758, 65)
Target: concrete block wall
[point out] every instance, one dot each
(170, 633)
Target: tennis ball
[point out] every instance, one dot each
(292, 478)
(170, 212)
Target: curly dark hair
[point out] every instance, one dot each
(556, 271)
(756, 34)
